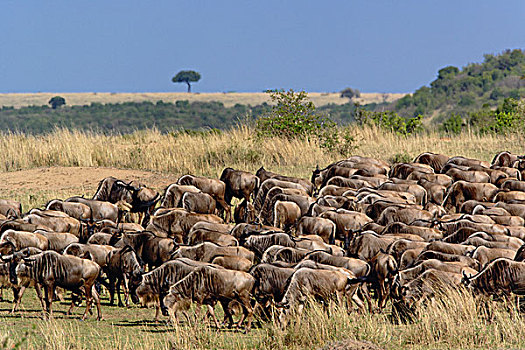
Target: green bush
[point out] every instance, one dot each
(453, 125)
(293, 116)
(389, 120)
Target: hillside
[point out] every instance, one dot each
(471, 88)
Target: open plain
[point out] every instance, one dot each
(64, 163)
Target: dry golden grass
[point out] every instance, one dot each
(228, 99)
(208, 154)
(159, 159)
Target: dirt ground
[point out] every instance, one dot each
(34, 187)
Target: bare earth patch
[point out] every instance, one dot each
(34, 187)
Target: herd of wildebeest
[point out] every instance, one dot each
(360, 229)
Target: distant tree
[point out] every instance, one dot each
(57, 101)
(186, 76)
(447, 72)
(350, 93)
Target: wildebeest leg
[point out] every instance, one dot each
(49, 291)
(71, 307)
(247, 313)
(382, 295)
(157, 310)
(89, 299)
(351, 295)
(211, 311)
(227, 313)
(97, 301)
(111, 288)
(226, 209)
(17, 296)
(119, 282)
(126, 290)
(39, 294)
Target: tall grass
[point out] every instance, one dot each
(455, 320)
(207, 154)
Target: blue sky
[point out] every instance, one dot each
(137, 46)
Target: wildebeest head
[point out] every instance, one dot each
(13, 260)
(88, 228)
(135, 281)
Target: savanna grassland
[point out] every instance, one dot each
(229, 99)
(64, 163)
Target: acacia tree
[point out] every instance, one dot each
(57, 101)
(186, 76)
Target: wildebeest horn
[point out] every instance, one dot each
(28, 260)
(466, 277)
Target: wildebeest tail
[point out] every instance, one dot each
(357, 280)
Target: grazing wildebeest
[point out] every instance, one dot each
(209, 284)
(50, 269)
(121, 265)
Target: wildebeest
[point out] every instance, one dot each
(264, 175)
(51, 270)
(208, 285)
(122, 265)
(501, 277)
(99, 209)
(267, 185)
(214, 187)
(270, 282)
(233, 262)
(57, 241)
(75, 210)
(318, 284)
(436, 161)
(153, 286)
(173, 195)
(198, 202)
(98, 253)
(245, 212)
(324, 228)
(22, 239)
(286, 214)
(346, 222)
(153, 250)
(54, 220)
(239, 184)
(141, 198)
(177, 223)
(462, 191)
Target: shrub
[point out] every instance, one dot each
(453, 124)
(389, 120)
(293, 116)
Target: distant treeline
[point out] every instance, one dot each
(131, 116)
